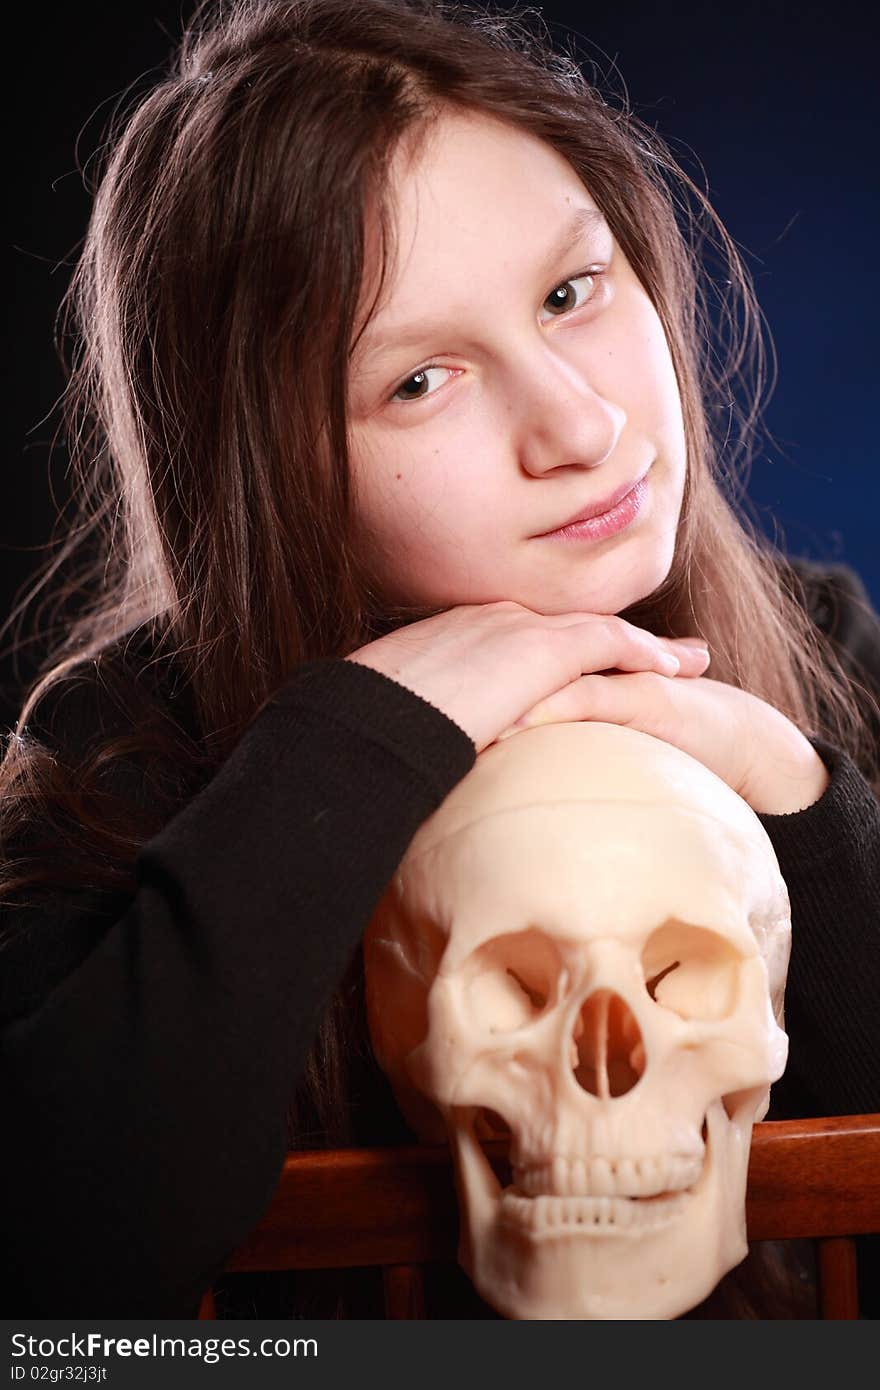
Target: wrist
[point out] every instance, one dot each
(804, 781)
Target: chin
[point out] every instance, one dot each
(643, 579)
(621, 590)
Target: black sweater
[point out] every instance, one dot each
(150, 1047)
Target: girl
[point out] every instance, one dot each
(375, 299)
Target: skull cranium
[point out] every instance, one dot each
(586, 946)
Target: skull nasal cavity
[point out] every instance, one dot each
(608, 1055)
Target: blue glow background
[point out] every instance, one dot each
(779, 102)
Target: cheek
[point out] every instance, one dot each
(435, 490)
(382, 490)
(411, 521)
(643, 363)
(660, 378)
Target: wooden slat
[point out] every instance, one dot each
(352, 1207)
(814, 1178)
(838, 1278)
(404, 1291)
(207, 1308)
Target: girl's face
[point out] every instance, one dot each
(502, 388)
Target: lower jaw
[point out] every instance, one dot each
(552, 1215)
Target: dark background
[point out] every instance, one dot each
(777, 103)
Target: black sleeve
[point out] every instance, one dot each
(146, 1093)
(829, 856)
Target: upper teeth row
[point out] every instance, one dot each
(609, 1177)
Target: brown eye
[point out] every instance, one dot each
(420, 375)
(566, 302)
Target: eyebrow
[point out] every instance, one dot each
(586, 222)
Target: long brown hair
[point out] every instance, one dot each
(212, 316)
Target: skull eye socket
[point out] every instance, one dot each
(511, 980)
(692, 971)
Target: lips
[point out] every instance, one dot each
(598, 508)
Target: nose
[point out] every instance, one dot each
(607, 1051)
(565, 421)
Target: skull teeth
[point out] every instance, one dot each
(608, 1177)
(567, 1215)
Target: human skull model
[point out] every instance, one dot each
(586, 945)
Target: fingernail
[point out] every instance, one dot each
(670, 664)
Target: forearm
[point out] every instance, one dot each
(829, 855)
(147, 1089)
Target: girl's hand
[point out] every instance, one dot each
(485, 665)
(748, 743)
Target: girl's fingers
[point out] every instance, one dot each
(611, 643)
(604, 699)
(694, 660)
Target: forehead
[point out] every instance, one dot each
(473, 192)
(581, 872)
(469, 162)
